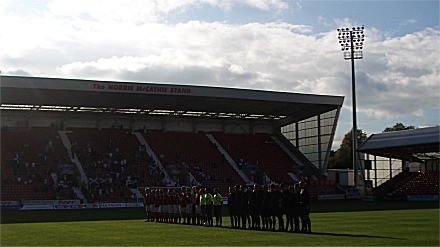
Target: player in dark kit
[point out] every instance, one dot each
(245, 207)
(257, 206)
(296, 208)
(304, 200)
(276, 209)
(252, 207)
(239, 196)
(284, 204)
(273, 206)
(291, 201)
(232, 205)
(265, 212)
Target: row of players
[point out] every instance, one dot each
(262, 206)
(185, 206)
(258, 207)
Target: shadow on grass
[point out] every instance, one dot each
(351, 235)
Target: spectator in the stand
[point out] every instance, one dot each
(240, 164)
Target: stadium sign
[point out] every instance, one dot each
(119, 87)
(422, 198)
(112, 205)
(40, 202)
(64, 206)
(134, 204)
(331, 197)
(76, 206)
(352, 193)
(69, 202)
(36, 207)
(10, 205)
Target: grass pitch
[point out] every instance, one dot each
(416, 227)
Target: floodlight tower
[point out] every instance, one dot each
(352, 41)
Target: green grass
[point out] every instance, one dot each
(413, 227)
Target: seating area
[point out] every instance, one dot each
(195, 153)
(393, 184)
(259, 150)
(426, 183)
(113, 162)
(409, 183)
(29, 156)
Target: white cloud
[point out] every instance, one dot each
(4, 4)
(408, 22)
(140, 11)
(324, 21)
(397, 77)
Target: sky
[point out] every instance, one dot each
(275, 45)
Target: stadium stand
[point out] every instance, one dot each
(184, 152)
(409, 183)
(115, 163)
(392, 184)
(112, 161)
(260, 151)
(125, 136)
(426, 183)
(29, 164)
